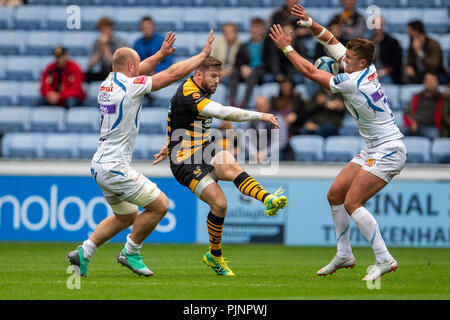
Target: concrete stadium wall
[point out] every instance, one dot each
(59, 201)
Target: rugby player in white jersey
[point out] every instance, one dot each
(125, 189)
(384, 155)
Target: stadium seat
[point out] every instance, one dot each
(156, 141)
(407, 91)
(348, 127)
(6, 14)
(48, 119)
(22, 145)
(398, 116)
(14, 119)
(42, 43)
(166, 20)
(22, 69)
(191, 22)
(12, 42)
(91, 15)
(307, 147)
(440, 150)
(127, 19)
(88, 145)
(418, 149)
(57, 18)
(141, 147)
(30, 17)
(153, 120)
(234, 15)
(92, 93)
(28, 93)
(77, 43)
(341, 149)
(392, 92)
(83, 120)
(8, 93)
(60, 145)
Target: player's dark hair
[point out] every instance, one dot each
(363, 48)
(105, 21)
(417, 25)
(257, 20)
(146, 18)
(210, 62)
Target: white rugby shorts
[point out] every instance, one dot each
(385, 160)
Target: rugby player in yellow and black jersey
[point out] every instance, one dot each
(198, 163)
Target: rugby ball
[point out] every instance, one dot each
(328, 64)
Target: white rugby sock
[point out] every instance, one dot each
(131, 247)
(89, 248)
(341, 221)
(368, 226)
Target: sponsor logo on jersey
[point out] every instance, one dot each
(196, 95)
(110, 109)
(372, 77)
(140, 80)
(107, 89)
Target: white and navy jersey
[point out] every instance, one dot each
(365, 99)
(120, 101)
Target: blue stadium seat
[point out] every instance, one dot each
(418, 149)
(28, 93)
(156, 141)
(191, 22)
(88, 145)
(6, 15)
(407, 91)
(153, 120)
(22, 145)
(349, 127)
(12, 42)
(30, 17)
(78, 43)
(148, 2)
(91, 15)
(440, 150)
(57, 18)
(234, 15)
(307, 147)
(341, 149)
(141, 147)
(42, 43)
(421, 3)
(60, 145)
(93, 89)
(387, 3)
(127, 19)
(166, 19)
(22, 69)
(167, 92)
(14, 119)
(48, 119)
(83, 120)
(398, 116)
(8, 93)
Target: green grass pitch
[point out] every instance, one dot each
(275, 272)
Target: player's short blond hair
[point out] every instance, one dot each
(363, 48)
(210, 62)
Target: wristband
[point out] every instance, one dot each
(287, 49)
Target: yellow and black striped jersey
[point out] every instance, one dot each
(185, 124)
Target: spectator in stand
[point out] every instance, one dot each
(283, 15)
(11, 3)
(102, 51)
(445, 125)
(325, 113)
(424, 55)
(225, 49)
(261, 149)
(290, 105)
(388, 58)
(335, 27)
(353, 23)
(62, 81)
(150, 43)
(277, 62)
(249, 66)
(423, 114)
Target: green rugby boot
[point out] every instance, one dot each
(275, 202)
(218, 264)
(134, 263)
(76, 258)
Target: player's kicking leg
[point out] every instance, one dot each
(227, 169)
(341, 219)
(364, 186)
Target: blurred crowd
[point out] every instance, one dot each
(258, 61)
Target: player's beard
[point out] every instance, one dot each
(209, 88)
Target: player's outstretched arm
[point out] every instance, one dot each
(183, 68)
(322, 34)
(147, 66)
(306, 68)
(228, 113)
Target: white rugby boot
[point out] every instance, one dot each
(336, 264)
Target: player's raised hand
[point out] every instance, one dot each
(268, 117)
(161, 155)
(300, 12)
(278, 36)
(166, 47)
(208, 45)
